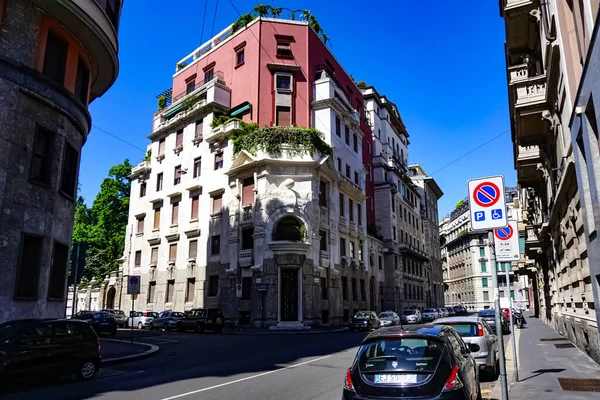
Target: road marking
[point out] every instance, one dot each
(244, 379)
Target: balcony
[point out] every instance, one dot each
(518, 73)
(206, 96)
(528, 158)
(245, 257)
(512, 4)
(247, 215)
(324, 258)
(142, 169)
(533, 245)
(222, 131)
(413, 251)
(530, 92)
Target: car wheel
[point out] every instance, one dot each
(87, 370)
(199, 328)
(166, 327)
(151, 326)
(140, 326)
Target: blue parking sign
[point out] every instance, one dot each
(479, 216)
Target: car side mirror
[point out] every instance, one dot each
(473, 348)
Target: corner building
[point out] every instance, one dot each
(282, 237)
(55, 58)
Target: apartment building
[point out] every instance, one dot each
(56, 58)
(276, 233)
(550, 50)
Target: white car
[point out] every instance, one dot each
(412, 316)
(141, 319)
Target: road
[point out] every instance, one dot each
(213, 366)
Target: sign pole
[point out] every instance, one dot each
(131, 316)
(498, 315)
(512, 328)
(75, 281)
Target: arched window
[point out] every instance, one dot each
(291, 229)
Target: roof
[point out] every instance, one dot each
(406, 330)
(449, 320)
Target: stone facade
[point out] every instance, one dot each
(43, 128)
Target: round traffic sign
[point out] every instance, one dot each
(486, 194)
(504, 233)
(133, 280)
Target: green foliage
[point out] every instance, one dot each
(162, 102)
(148, 155)
(262, 10)
(242, 21)
(103, 225)
(362, 85)
(276, 12)
(189, 102)
(181, 66)
(460, 203)
(222, 120)
(270, 140)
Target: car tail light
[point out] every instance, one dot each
(479, 329)
(348, 385)
(453, 382)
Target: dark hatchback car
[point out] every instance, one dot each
(102, 322)
(490, 317)
(201, 319)
(364, 320)
(48, 347)
(460, 310)
(166, 320)
(426, 362)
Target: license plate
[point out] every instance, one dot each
(395, 378)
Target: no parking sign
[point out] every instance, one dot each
(506, 242)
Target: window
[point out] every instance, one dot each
(170, 290)
(151, 292)
(363, 290)
(27, 276)
(356, 178)
(355, 144)
(193, 249)
(58, 273)
(246, 288)
(209, 75)
(138, 259)
(190, 290)
(55, 58)
(339, 162)
(342, 201)
(483, 267)
(486, 296)
(348, 171)
(142, 189)
(369, 148)
(173, 252)
(215, 245)
(177, 175)
(347, 136)
(217, 203)
(161, 147)
(284, 49)
(324, 289)
(69, 173)
(218, 160)
(342, 247)
(174, 213)
(213, 285)
(351, 210)
(360, 250)
(380, 262)
(484, 282)
(284, 116)
(239, 58)
(190, 86)
(323, 242)
(338, 126)
(82, 81)
(197, 167)
(481, 252)
(501, 293)
(283, 83)
(359, 213)
(345, 290)
(322, 194)
(352, 249)
(248, 239)
(394, 232)
(512, 294)
(179, 138)
(199, 130)
(154, 256)
(140, 223)
(41, 161)
(395, 262)
(354, 290)
(157, 218)
(195, 201)
(248, 191)
(159, 182)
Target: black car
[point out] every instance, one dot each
(102, 322)
(119, 316)
(429, 361)
(460, 310)
(48, 347)
(364, 320)
(166, 320)
(490, 317)
(201, 319)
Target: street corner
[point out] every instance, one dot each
(116, 351)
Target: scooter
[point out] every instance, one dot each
(519, 319)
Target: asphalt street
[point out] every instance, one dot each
(213, 366)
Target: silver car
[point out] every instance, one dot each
(141, 319)
(411, 316)
(474, 330)
(429, 314)
(442, 312)
(389, 318)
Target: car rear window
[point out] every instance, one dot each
(400, 354)
(386, 315)
(465, 329)
(409, 312)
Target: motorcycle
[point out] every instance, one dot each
(519, 319)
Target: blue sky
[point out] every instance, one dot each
(441, 63)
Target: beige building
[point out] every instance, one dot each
(547, 46)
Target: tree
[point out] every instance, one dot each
(262, 10)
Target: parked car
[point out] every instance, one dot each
(141, 319)
(490, 317)
(166, 320)
(460, 310)
(442, 313)
(430, 361)
(451, 311)
(476, 332)
(119, 315)
(411, 316)
(31, 347)
(364, 320)
(201, 319)
(101, 322)
(429, 314)
(389, 318)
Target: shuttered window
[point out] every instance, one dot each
(284, 116)
(199, 129)
(193, 249)
(179, 138)
(217, 202)
(161, 147)
(248, 192)
(157, 218)
(175, 213)
(173, 252)
(195, 200)
(154, 256)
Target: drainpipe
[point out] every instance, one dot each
(544, 10)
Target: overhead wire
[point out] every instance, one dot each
(203, 19)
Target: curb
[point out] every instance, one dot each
(283, 332)
(115, 360)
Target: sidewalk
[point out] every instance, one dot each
(562, 372)
(113, 350)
